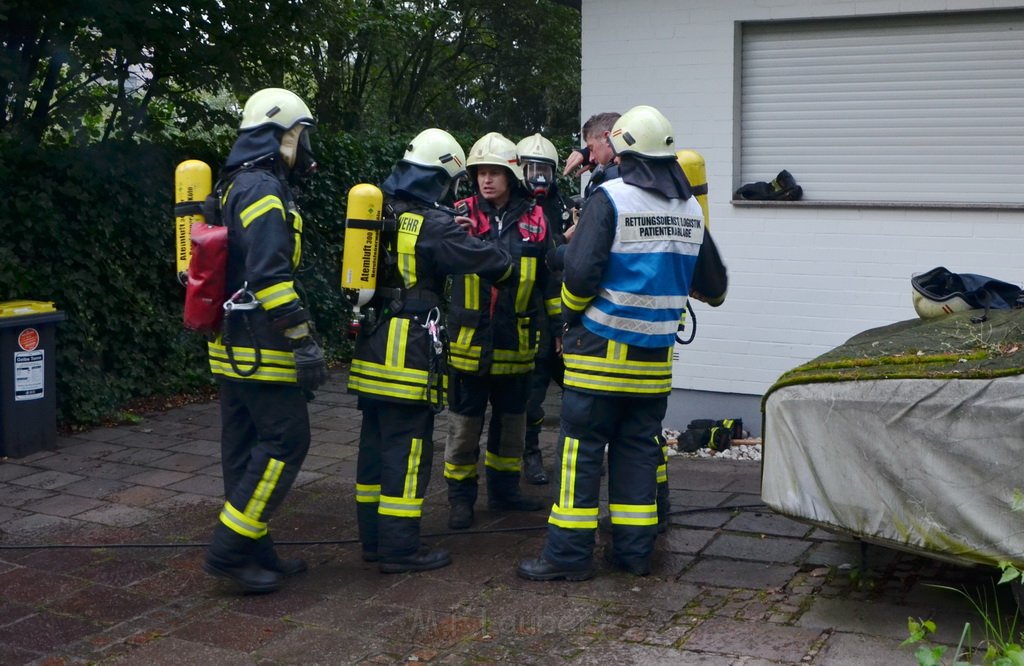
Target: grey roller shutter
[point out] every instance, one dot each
(922, 108)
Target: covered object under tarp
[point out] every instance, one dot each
(909, 435)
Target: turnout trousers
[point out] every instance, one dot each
(396, 445)
(631, 426)
(468, 396)
(264, 439)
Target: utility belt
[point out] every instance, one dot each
(396, 300)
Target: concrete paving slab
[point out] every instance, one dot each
(758, 548)
(769, 523)
(34, 524)
(117, 515)
(200, 484)
(184, 462)
(134, 456)
(755, 639)
(48, 480)
(888, 620)
(95, 488)
(729, 573)
(65, 505)
(158, 477)
(9, 470)
(849, 649)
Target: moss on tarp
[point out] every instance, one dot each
(948, 347)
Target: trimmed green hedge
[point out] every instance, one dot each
(92, 229)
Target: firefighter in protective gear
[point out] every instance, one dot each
(494, 333)
(540, 164)
(627, 275)
(398, 366)
(266, 358)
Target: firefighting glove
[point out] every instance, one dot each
(310, 366)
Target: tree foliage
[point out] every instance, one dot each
(83, 71)
(102, 99)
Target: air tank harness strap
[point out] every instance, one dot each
(241, 302)
(438, 366)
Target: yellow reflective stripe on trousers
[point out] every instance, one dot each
(553, 306)
(459, 472)
(634, 514)
(264, 205)
(398, 337)
(573, 519)
(367, 493)
(240, 523)
(264, 489)
(527, 278)
(413, 468)
(277, 295)
(570, 451)
(409, 226)
(502, 464)
(400, 507)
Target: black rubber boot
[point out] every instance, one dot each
(461, 499)
(504, 494)
(541, 569)
(533, 460)
(460, 516)
(635, 567)
(233, 556)
(423, 560)
(266, 557)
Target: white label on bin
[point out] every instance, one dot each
(28, 375)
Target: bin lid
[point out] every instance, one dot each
(21, 308)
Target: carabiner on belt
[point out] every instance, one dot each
(242, 300)
(432, 324)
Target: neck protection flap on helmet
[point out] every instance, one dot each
(664, 176)
(414, 181)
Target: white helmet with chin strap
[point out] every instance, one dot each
(643, 131)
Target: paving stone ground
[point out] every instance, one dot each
(733, 583)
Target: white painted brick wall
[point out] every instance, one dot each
(802, 280)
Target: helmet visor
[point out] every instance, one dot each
(538, 174)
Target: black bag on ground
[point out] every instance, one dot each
(709, 433)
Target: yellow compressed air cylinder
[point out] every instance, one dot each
(693, 166)
(361, 252)
(193, 182)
